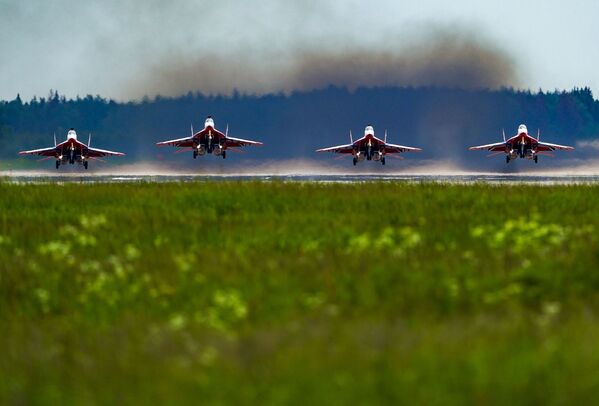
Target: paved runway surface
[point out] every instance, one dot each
(452, 178)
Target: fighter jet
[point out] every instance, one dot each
(72, 151)
(522, 145)
(369, 147)
(209, 141)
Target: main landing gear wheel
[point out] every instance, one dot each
(383, 160)
(85, 164)
(57, 164)
(355, 161)
(195, 154)
(507, 159)
(536, 159)
(224, 154)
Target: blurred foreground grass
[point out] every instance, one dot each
(226, 292)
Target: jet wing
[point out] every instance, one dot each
(339, 149)
(180, 142)
(396, 149)
(498, 146)
(97, 153)
(546, 146)
(42, 152)
(238, 142)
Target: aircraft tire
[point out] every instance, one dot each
(224, 154)
(195, 154)
(536, 159)
(355, 161)
(383, 160)
(85, 164)
(57, 164)
(507, 159)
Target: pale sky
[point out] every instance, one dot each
(127, 49)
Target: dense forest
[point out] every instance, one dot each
(442, 121)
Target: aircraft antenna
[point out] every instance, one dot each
(351, 139)
(503, 131)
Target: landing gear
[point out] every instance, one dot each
(383, 160)
(224, 154)
(57, 164)
(507, 159)
(355, 161)
(195, 154)
(536, 159)
(85, 164)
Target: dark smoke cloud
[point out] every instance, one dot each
(443, 58)
(136, 48)
(446, 60)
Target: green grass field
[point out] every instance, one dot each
(290, 293)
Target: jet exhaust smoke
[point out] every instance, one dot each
(127, 50)
(441, 58)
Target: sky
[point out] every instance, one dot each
(125, 50)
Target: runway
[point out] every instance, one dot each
(576, 172)
(499, 179)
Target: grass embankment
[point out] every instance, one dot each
(292, 293)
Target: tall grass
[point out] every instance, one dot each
(229, 292)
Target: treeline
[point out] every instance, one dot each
(443, 121)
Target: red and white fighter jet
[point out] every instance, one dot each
(72, 151)
(522, 145)
(209, 141)
(369, 147)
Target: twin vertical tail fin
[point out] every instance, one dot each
(538, 134)
(503, 132)
(192, 129)
(89, 141)
(385, 136)
(227, 131)
(55, 139)
(351, 139)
